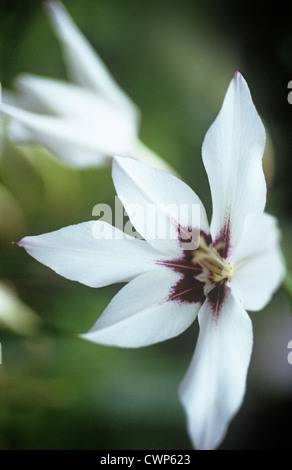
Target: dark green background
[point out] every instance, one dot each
(175, 59)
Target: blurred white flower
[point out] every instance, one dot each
(84, 123)
(236, 267)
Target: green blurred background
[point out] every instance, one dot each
(175, 59)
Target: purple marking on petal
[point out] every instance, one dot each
(222, 242)
(217, 296)
(184, 264)
(189, 237)
(191, 290)
(187, 289)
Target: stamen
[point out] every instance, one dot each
(208, 258)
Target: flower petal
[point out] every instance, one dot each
(73, 141)
(79, 253)
(84, 64)
(140, 314)
(72, 101)
(158, 204)
(232, 153)
(259, 264)
(214, 386)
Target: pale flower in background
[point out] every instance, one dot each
(237, 266)
(84, 123)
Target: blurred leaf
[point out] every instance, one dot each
(21, 180)
(52, 194)
(12, 220)
(61, 185)
(15, 315)
(288, 287)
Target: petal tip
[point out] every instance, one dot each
(54, 9)
(117, 157)
(23, 243)
(120, 161)
(237, 75)
(51, 6)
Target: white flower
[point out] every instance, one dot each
(237, 266)
(85, 122)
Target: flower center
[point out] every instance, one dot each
(215, 268)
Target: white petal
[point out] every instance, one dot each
(232, 153)
(84, 64)
(72, 101)
(76, 253)
(71, 140)
(259, 265)
(157, 203)
(141, 314)
(214, 386)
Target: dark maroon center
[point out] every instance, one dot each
(191, 290)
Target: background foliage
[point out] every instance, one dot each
(175, 59)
